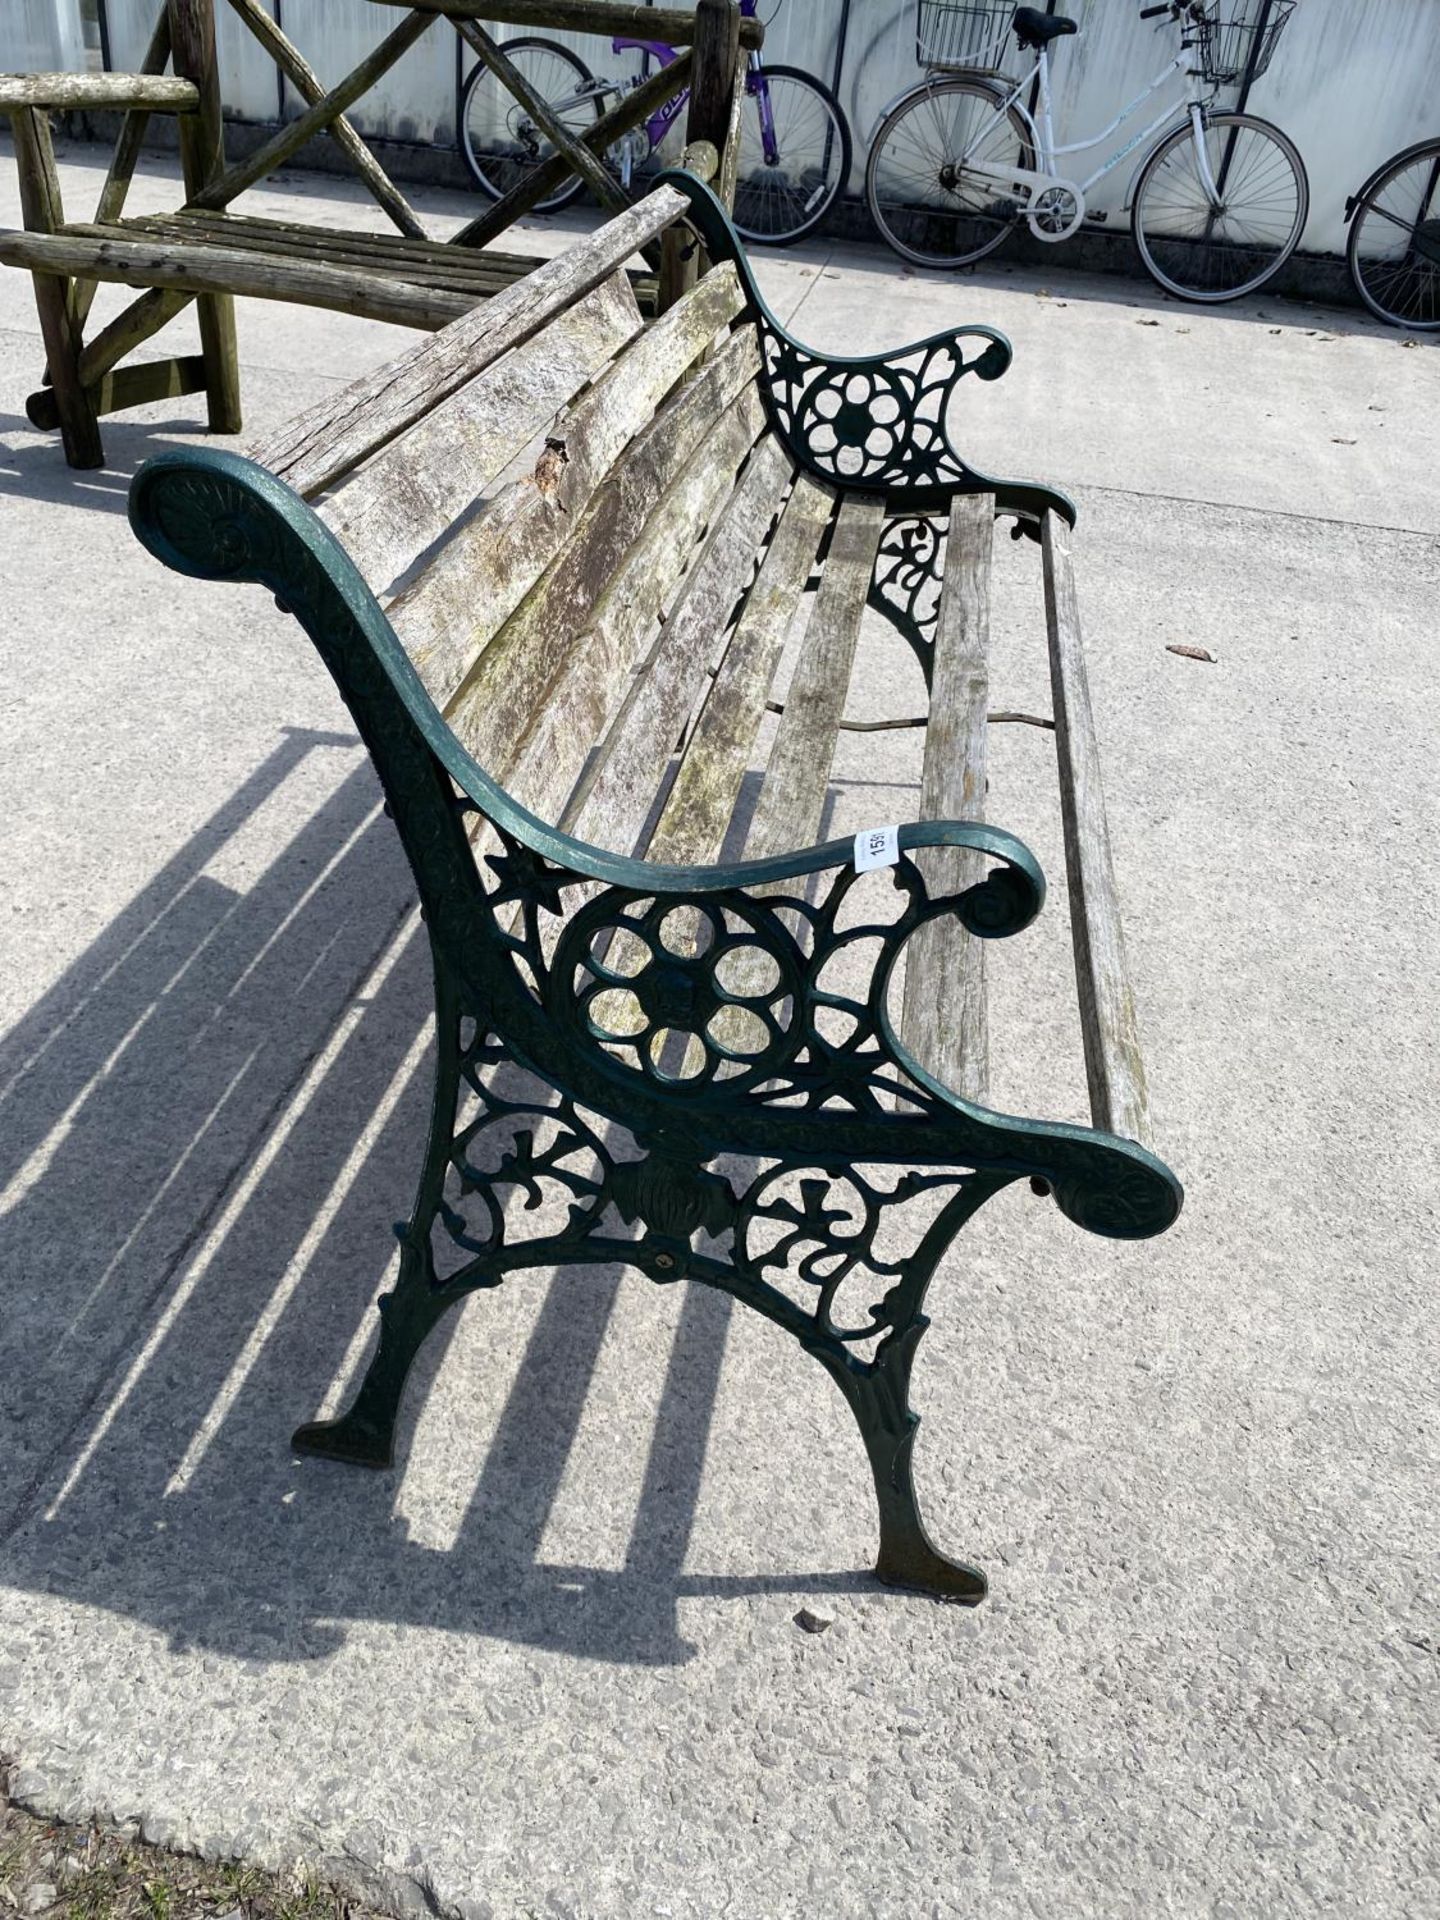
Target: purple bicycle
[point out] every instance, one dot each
(794, 142)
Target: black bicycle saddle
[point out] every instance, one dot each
(1035, 29)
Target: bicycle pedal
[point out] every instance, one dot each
(1096, 219)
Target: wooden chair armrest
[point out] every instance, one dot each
(115, 92)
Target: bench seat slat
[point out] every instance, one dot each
(477, 580)
(399, 504)
(944, 1022)
(1113, 1065)
(792, 800)
(612, 804)
(498, 702)
(698, 810)
(327, 440)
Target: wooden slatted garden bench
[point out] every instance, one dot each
(672, 1030)
(206, 252)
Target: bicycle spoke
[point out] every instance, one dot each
(1213, 249)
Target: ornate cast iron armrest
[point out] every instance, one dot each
(876, 422)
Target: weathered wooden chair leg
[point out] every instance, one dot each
(364, 1435)
(74, 403)
(222, 362)
(879, 1397)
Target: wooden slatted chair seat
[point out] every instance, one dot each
(558, 560)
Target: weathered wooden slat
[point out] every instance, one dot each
(618, 791)
(476, 274)
(944, 1023)
(630, 111)
(202, 160)
(202, 268)
(1113, 1066)
(99, 92)
(700, 805)
(588, 165)
(403, 500)
(544, 764)
(792, 800)
(679, 261)
(326, 441)
(308, 84)
(481, 576)
(42, 211)
(127, 387)
(512, 680)
(674, 24)
(730, 153)
(316, 118)
(291, 235)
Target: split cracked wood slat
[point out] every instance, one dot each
(399, 504)
(327, 440)
(1113, 1064)
(595, 674)
(618, 791)
(478, 579)
(792, 800)
(512, 678)
(200, 267)
(308, 84)
(701, 803)
(944, 1022)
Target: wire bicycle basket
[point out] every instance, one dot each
(1237, 42)
(962, 33)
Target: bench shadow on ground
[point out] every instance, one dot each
(32, 465)
(161, 1485)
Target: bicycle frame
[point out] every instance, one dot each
(664, 117)
(1042, 131)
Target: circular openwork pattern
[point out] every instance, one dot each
(686, 991)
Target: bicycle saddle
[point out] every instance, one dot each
(1035, 29)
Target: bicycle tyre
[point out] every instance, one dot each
(930, 215)
(1227, 271)
(818, 200)
(1379, 288)
(494, 173)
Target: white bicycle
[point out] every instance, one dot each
(1218, 204)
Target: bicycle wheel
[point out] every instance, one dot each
(1394, 247)
(501, 143)
(794, 156)
(927, 202)
(1200, 251)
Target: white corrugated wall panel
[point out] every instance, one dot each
(41, 36)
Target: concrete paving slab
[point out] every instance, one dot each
(551, 1664)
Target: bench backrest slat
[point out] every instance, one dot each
(414, 491)
(944, 1022)
(792, 802)
(615, 799)
(700, 806)
(541, 756)
(1113, 1066)
(450, 613)
(314, 450)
